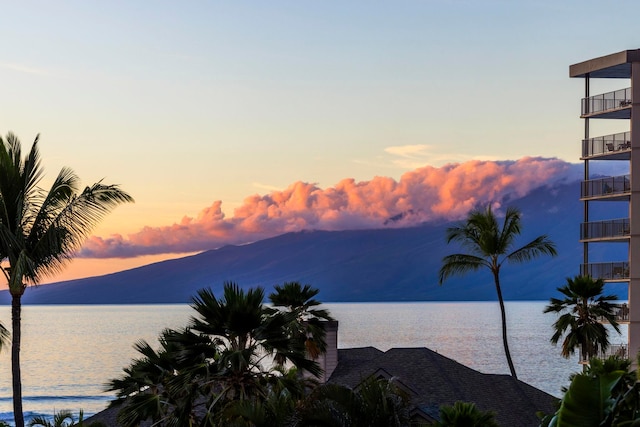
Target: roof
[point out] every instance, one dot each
(615, 66)
(436, 380)
(432, 380)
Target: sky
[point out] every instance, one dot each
(229, 122)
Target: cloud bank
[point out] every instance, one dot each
(424, 194)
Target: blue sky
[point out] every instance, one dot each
(189, 103)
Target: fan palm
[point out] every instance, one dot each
(490, 246)
(277, 409)
(164, 385)
(63, 418)
(247, 334)
(234, 350)
(465, 414)
(307, 324)
(582, 307)
(375, 402)
(41, 230)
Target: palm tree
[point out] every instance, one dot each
(490, 246)
(465, 414)
(247, 333)
(226, 366)
(41, 230)
(163, 385)
(582, 307)
(376, 402)
(63, 418)
(307, 324)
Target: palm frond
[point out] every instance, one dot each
(66, 220)
(541, 245)
(460, 264)
(582, 308)
(511, 228)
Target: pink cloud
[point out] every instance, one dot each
(424, 194)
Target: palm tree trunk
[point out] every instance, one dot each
(507, 353)
(585, 357)
(16, 307)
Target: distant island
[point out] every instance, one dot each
(386, 264)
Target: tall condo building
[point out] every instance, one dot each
(610, 230)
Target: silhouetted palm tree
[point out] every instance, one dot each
(307, 322)
(374, 403)
(247, 332)
(163, 385)
(235, 349)
(490, 246)
(41, 230)
(581, 311)
(465, 414)
(63, 418)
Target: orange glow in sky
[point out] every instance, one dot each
(229, 122)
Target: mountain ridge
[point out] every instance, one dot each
(389, 264)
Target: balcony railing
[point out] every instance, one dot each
(606, 187)
(607, 102)
(610, 229)
(620, 350)
(611, 271)
(610, 144)
(620, 312)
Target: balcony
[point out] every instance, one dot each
(621, 312)
(620, 350)
(610, 230)
(610, 188)
(607, 271)
(613, 147)
(611, 105)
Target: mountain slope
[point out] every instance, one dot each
(361, 265)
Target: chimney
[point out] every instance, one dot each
(329, 360)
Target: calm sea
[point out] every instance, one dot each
(70, 352)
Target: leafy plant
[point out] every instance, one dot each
(605, 395)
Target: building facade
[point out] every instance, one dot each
(610, 235)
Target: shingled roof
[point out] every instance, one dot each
(434, 380)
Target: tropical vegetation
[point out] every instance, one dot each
(465, 414)
(40, 230)
(581, 311)
(235, 349)
(375, 403)
(489, 245)
(307, 318)
(607, 394)
(242, 363)
(63, 418)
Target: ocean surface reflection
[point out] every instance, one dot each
(70, 352)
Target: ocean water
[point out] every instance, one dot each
(70, 352)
